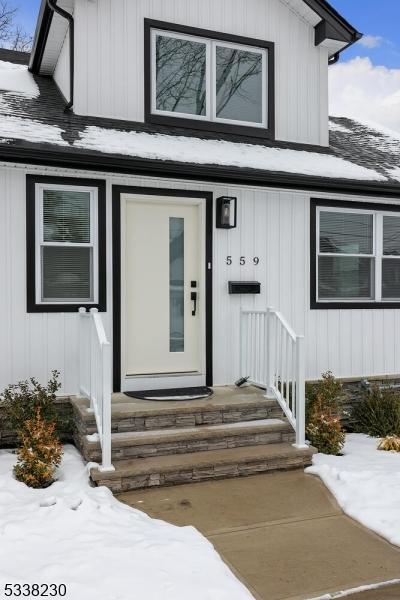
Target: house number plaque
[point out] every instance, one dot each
(242, 260)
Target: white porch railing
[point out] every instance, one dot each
(272, 355)
(95, 364)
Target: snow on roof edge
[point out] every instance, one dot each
(220, 152)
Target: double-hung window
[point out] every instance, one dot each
(208, 80)
(357, 255)
(65, 230)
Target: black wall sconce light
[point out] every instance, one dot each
(226, 212)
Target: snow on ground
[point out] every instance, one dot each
(220, 152)
(100, 548)
(17, 78)
(365, 482)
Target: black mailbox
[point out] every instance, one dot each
(244, 287)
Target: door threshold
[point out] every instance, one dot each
(166, 374)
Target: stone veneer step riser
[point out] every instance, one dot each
(190, 446)
(127, 483)
(170, 421)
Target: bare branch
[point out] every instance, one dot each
(12, 35)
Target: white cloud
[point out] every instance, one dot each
(371, 41)
(362, 91)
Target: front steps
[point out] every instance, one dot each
(142, 444)
(233, 433)
(200, 466)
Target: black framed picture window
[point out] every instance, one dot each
(208, 80)
(65, 244)
(355, 254)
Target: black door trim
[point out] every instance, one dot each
(117, 190)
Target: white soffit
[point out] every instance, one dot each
(55, 39)
(333, 46)
(303, 11)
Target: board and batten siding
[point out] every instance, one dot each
(62, 71)
(272, 224)
(110, 70)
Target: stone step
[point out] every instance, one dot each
(150, 415)
(141, 444)
(174, 469)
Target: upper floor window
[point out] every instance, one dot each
(65, 227)
(357, 254)
(218, 84)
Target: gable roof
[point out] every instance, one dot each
(34, 129)
(330, 27)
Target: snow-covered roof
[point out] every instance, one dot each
(32, 117)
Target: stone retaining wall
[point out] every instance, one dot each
(8, 437)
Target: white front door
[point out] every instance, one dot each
(163, 292)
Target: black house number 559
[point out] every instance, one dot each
(242, 260)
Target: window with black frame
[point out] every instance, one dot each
(65, 244)
(357, 255)
(209, 80)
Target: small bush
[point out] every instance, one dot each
(378, 413)
(40, 452)
(391, 443)
(20, 401)
(324, 429)
(326, 391)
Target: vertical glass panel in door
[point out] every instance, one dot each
(180, 75)
(176, 285)
(239, 84)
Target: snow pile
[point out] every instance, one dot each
(101, 549)
(16, 78)
(366, 484)
(338, 127)
(18, 128)
(394, 173)
(220, 152)
(358, 590)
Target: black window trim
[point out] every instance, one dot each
(59, 307)
(316, 304)
(210, 126)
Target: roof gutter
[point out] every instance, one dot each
(95, 161)
(47, 10)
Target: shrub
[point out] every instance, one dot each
(19, 402)
(324, 429)
(326, 391)
(40, 452)
(378, 413)
(390, 443)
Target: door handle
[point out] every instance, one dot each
(193, 298)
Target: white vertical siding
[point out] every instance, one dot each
(61, 73)
(109, 45)
(272, 224)
(31, 344)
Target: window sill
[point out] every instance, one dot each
(211, 126)
(317, 305)
(63, 308)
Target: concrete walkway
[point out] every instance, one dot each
(386, 593)
(282, 534)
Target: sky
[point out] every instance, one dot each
(365, 84)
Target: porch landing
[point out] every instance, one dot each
(233, 433)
